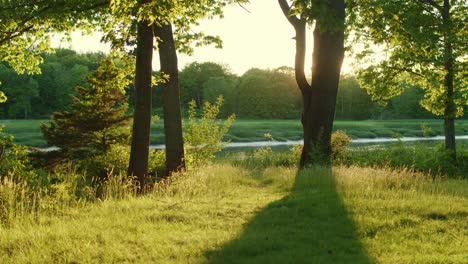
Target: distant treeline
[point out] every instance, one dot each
(258, 93)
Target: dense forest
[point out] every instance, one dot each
(38, 96)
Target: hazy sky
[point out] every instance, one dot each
(261, 38)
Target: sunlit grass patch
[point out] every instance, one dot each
(407, 217)
(235, 214)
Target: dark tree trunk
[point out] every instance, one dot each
(319, 98)
(138, 165)
(326, 67)
(175, 161)
(450, 109)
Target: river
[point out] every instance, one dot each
(295, 142)
(354, 141)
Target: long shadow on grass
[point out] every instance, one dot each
(309, 225)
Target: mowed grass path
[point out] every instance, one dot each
(27, 132)
(229, 214)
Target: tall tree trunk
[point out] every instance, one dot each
(175, 160)
(449, 111)
(319, 98)
(326, 67)
(138, 165)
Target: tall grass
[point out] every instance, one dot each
(225, 213)
(21, 201)
(16, 201)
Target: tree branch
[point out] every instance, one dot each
(243, 7)
(295, 21)
(299, 25)
(14, 34)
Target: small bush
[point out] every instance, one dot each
(264, 157)
(339, 144)
(157, 162)
(14, 159)
(426, 130)
(114, 161)
(296, 150)
(203, 133)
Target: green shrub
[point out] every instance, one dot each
(263, 157)
(426, 130)
(14, 159)
(114, 161)
(296, 151)
(339, 144)
(203, 133)
(157, 162)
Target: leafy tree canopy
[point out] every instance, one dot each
(26, 27)
(413, 41)
(183, 14)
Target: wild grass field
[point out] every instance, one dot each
(226, 213)
(27, 132)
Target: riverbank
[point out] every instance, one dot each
(27, 132)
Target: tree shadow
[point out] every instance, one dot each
(309, 225)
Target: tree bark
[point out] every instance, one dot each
(326, 67)
(175, 161)
(319, 98)
(449, 111)
(138, 164)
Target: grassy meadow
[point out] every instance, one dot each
(27, 132)
(227, 213)
(393, 204)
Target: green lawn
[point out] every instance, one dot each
(27, 132)
(233, 214)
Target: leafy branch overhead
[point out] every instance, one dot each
(315, 11)
(184, 15)
(27, 26)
